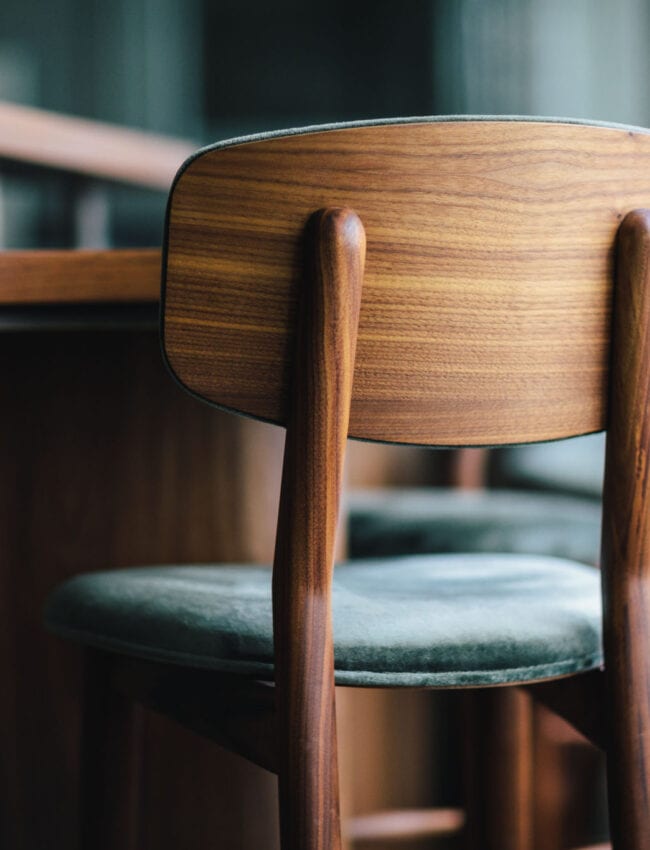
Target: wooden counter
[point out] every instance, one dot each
(106, 462)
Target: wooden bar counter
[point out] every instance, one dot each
(107, 463)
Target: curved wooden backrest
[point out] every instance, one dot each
(486, 300)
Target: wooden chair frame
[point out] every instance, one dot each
(290, 728)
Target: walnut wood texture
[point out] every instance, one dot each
(487, 290)
(92, 148)
(626, 543)
(307, 525)
(68, 277)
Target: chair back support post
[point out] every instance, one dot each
(317, 431)
(626, 541)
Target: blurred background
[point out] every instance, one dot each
(212, 69)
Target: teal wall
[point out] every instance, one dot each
(209, 69)
(578, 58)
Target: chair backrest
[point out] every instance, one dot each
(485, 315)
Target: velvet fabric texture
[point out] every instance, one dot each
(429, 520)
(423, 621)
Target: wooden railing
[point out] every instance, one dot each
(94, 153)
(91, 148)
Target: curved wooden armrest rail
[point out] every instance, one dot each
(79, 277)
(92, 148)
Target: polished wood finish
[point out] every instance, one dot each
(81, 277)
(307, 525)
(235, 712)
(626, 543)
(90, 148)
(486, 308)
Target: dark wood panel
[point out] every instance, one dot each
(626, 543)
(303, 564)
(106, 463)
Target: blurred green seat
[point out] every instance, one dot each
(569, 466)
(419, 621)
(428, 520)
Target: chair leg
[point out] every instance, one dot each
(303, 565)
(110, 761)
(308, 770)
(498, 769)
(628, 775)
(626, 543)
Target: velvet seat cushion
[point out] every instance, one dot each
(420, 621)
(435, 520)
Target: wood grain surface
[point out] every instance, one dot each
(487, 292)
(626, 543)
(92, 148)
(307, 525)
(88, 277)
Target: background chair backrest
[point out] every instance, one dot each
(486, 301)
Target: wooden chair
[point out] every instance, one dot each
(482, 317)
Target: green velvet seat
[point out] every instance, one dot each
(428, 520)
(419, 621)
